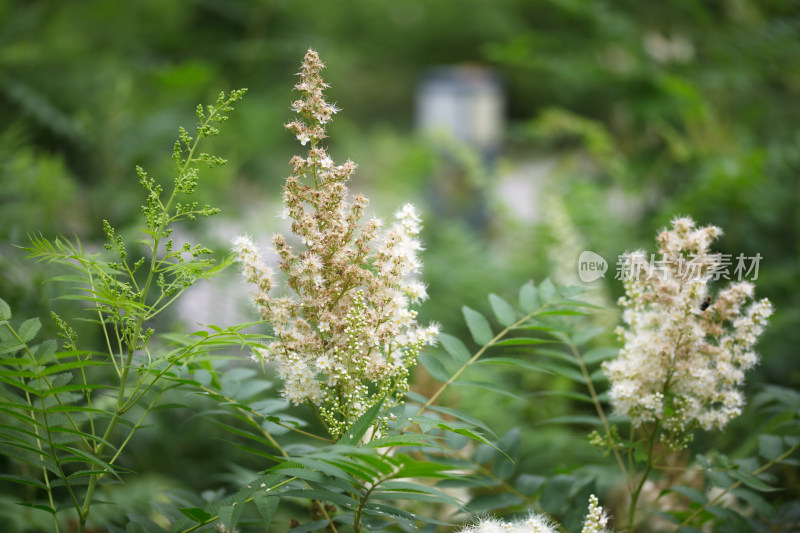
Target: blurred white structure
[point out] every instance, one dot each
(464, 102)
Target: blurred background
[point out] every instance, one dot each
(525, 132)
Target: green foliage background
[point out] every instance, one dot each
(90, 89)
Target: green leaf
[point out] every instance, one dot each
(505, 314)
(529, 484)
(694, 495)
(324, 495)
(599, 354)
(434, 367)
(354, 433)
(478, 326)
(11, 346)
(267, 507)
(553, 498)
(572, 395)
(412, 468)
(528, 300)
(89, 458)
(309, 526)
(547, 291)
(521, 341)
(565, 312)
(756, 501)
(28, 329)
(486, 385)
(566, 371)
(750, 480)
(573, 419)
(455, 348)
(455, 413)
(513, 361)
(492, 502)
(40, 507)
(195, 514)
(770, 447)
(25, 480)
(229, 515)
(5, 311)
(586, 334)
(405, 439)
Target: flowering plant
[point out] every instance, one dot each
(348, 337)
(685, 351)
(345, 339)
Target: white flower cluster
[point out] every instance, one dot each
(346, 335)
(595, 522)
(533, 524)
(685, 352)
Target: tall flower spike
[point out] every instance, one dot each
(346, 335)
(596, 519)
(684, 354)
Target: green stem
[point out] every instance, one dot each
(600, 413)
(133, 338)
(478, 355)
(645, 474)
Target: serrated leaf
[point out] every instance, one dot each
(412, 468)
(528, 299)
(267, 507)
(552, 499)
(599, 354)
(324, 495)
(547, 291)
(354, 433)
(566, 371)
(694, 495)
(434, 367)
(40, 507)
(505, 314)
(25, 480)
(310, 526)
(514, 362)
(28, 329)
(202, 376)
(229, 515)
(572, 395)
(756, 501)
(492, 502)
(455, 348)
(460, 415)
(750, 480)
(522, 341)
(564, 312)
(195, 514)
(5, 311)
(529, 484)
(486, 385)
(573, 419)
(586, 334)
(478, 326)
(405, 439)
(11, 346)
(770, 447)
